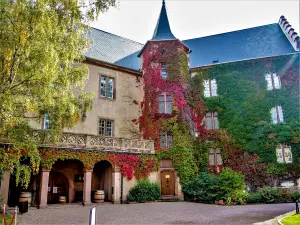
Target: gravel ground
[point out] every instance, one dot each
(156, 213)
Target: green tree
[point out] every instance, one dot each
(41, 47)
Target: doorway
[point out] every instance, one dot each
(58, 186)
(167, 182)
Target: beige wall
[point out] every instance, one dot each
(121, 109)
(128, 184)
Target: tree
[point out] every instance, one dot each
(41, 47)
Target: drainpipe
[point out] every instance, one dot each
(121, 200)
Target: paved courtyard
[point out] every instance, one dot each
(156, 213)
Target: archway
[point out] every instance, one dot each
(66, 179)
(102, 179)
(58, 186)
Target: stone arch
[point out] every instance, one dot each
(71, 169)
(102, 178)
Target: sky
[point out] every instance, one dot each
(136, 19)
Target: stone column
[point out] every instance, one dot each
(5, 185)
(87, 186)
(116, 184)
(44, 181)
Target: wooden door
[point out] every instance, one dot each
(167, 182)
(58, 186)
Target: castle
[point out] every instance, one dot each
(241, 86)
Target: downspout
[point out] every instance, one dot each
(121, 200)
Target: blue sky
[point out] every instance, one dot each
(136, 19)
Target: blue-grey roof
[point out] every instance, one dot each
(162, 30)
(113, 49)
(256, 42)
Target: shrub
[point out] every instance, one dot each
(270, 194)
(144, 191)
(254, 197)
(295, 196)
(286, 195)
(210, 188)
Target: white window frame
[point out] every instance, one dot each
(277, 114)
(165, 102)
(214, 120)
(167, 137)
(273, 81)
(284, 154)
(214, 156)
(106, 133)
(210, 87)
(107, 93)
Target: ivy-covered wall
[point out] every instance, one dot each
(243, 105)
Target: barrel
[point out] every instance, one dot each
(62, 199)
(25, 197)
(99, 196)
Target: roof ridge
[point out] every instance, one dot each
(116, 35)
(230, 31)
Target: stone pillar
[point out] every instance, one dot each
(44, 181)
(87, 186)
(5, 185)
(116, 184)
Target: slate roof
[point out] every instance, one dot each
(113, 49)
(162, 30)
(256, 42)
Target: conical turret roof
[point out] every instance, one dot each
(162, 30)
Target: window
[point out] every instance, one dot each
(273, 81)
(277, 115)
(107, 87)
(165, 139)
(284, 154)
(215, 158)
(165, 104)
(46, 122)
(210, 87)
(163, 70)
(211, 121)
(106, 127)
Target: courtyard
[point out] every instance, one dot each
(156, 213)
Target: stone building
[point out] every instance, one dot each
(108, 132)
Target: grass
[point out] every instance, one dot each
(8, 219)
(291, 220)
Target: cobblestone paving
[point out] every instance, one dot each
(156, 213)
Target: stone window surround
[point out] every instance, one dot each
(114, 87)
(113, 126)
(165, 96)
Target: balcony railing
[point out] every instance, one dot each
(86, 141)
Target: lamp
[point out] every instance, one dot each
(167, 176)
(83, 116)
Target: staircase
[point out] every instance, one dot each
(169, 198)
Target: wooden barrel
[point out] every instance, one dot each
(62, 199)
(99, 196)
(25, 197)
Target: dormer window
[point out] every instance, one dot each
(210, 87)
(273, 81)
(163, 71)
(277, 115)
(284, 154)
(165, 104)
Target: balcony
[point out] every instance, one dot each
(94, 142)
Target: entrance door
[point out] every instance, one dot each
(58, 186)
(167, 182)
